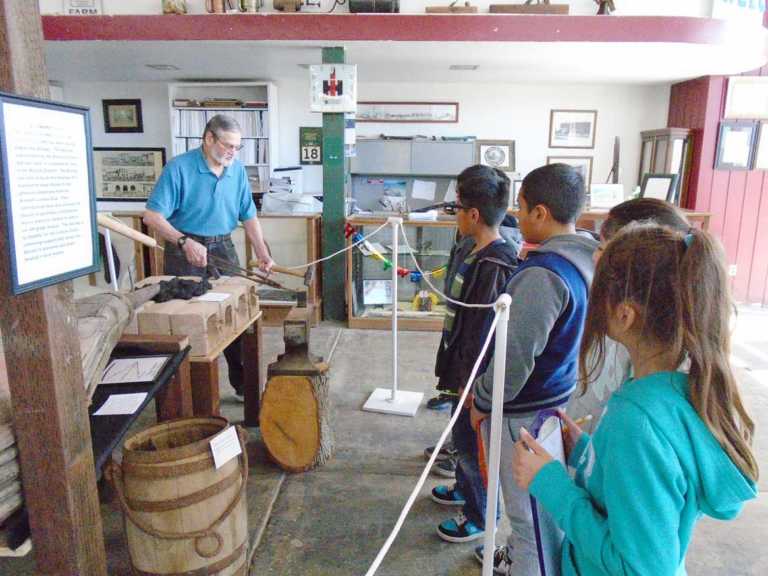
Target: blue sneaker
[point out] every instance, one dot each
(459, 529)
(448, 496)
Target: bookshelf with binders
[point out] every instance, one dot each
(252, 104)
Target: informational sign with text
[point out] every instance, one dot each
(45, 150)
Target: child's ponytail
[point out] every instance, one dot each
(705, 309)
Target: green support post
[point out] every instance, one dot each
(334, 175)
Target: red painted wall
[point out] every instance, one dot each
(738, 200)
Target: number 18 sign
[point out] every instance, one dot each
(310, 145)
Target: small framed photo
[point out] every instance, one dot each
(496, 154)
(659, 186)
(736, 145)
(606, 196)
(122, 116)
(126, 173)
(583, 165)
(761, 150)
(572, 128)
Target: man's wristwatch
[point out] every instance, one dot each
(181, 241)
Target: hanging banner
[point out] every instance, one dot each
(310, 146)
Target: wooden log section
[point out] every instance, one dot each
(295, 421)
(295, 416)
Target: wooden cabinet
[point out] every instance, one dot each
(667, 151)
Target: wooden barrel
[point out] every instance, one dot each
(183, 517)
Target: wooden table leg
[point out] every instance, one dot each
(175, 399)
(253, 377)
(205, 387)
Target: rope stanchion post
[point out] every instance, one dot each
(394, 401)
(497, 408)
(395, 223)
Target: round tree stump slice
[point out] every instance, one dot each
(295, 421)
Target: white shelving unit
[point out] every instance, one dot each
(259, 125)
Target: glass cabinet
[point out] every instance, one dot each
(369, 279)
(667, 151)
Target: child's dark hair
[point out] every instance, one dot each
(559, 187)
(486, 189)
(678, 284)
(650, 210)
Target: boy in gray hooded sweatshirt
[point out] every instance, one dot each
(549, 305)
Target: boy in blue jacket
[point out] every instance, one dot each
(481, 264)
(549, 304)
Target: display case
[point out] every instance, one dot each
(369, 282)
(667, 151)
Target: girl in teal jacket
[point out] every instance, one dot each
(671, 445)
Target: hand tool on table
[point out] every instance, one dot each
(116, 226)
(308, 275)
(231, 269)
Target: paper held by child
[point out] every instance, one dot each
(548, 431)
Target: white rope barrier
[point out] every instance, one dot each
(308, 264)
(426, 279)
(502, 311)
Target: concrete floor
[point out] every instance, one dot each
(334, 520)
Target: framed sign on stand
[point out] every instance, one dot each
(49, 196)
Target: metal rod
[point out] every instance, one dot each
(110, 260)
(494, 455)
(235, 270)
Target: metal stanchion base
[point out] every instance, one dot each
(404, 404)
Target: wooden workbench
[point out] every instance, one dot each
(205, 373)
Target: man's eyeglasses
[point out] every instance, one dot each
(230, 147)
(453, 208)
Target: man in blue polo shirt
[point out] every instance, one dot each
(196, 204)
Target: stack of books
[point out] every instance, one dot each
(254, 104)
(221, 103)
(185, 103)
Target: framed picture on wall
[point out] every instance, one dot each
(122, 116)
(497, 154)
(736, 145)
(761, 150)
(746, 98)
(126, 173)
(572, 128)
(408, 112)
(583, 165)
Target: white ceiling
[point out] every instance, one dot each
(507, 62)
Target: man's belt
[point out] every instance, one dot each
(208, 239)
